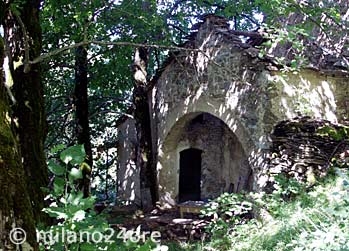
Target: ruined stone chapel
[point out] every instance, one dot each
(214, 110)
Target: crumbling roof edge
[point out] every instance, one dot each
(243, 46)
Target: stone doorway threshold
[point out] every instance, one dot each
(169, 223)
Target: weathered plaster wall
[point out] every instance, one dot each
(310, 93)
(235, 113)
(128, 180)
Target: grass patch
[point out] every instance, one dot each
(313, 220)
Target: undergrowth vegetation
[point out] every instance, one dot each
(310, 216)
(77, 226)
(294, 217)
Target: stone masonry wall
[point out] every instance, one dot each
(230, 82)
(246, 93)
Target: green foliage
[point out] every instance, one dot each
(287, 188)
(78, 226)
(16, 6)
(335, 133)
(327, 227)
(73, 213)
(227, 211)
(74, 155)
(314, 219)
(232, 207)
(230, 212)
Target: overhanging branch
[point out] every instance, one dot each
(107, 43)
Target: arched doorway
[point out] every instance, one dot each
(190, 175)
(221, 165)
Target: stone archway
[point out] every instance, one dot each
(224, 163)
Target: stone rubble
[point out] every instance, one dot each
(169, 224)
(299, 150)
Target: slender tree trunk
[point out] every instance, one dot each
(15, 204)
(142, 117)
(82, 113)
(23, 35)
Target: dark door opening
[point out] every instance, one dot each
(189, 175)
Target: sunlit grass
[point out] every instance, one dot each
(315, 220)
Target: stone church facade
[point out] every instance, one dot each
(213, 110)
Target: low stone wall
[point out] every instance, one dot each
(299, 150)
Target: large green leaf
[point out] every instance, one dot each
(79, 215)
(74, 155)
(55, 168)
(56, 212)
(75, 174)
(58, 186)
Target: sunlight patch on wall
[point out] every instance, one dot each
(201, 62)
(8, 76)
(330, 106)
(304, 94)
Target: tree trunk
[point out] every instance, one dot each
(142, 116)
(23, 35)
(82, 113)
(15, 207)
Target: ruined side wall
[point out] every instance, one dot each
(302, 149)
(128, 179)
